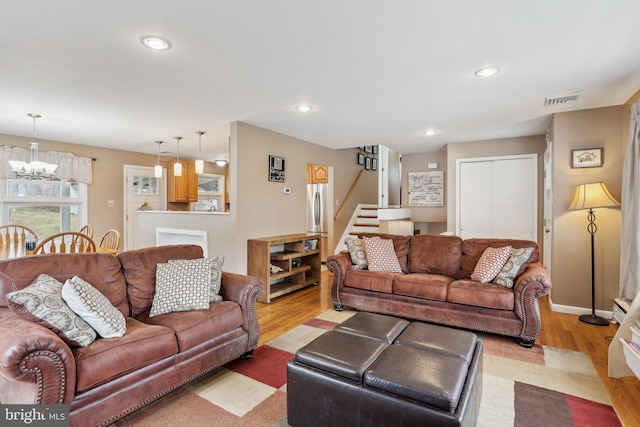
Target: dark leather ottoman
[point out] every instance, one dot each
(377, 370)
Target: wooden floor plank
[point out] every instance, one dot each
(558, 330)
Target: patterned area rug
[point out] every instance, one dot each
(542, 386)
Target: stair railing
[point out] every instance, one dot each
(348, 196)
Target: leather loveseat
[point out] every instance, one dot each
(435, 286)
(112, 377)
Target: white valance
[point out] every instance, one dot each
(70, 166)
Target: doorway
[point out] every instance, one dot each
(143, 191)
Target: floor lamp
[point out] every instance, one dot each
(591, 196)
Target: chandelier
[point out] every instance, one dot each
(35, 169)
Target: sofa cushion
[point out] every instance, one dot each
(42, 302)
(370, 280)
(472, 250)
(422, 285)
(109, 358)
(380, 255)
(139, 268)
(510, 270)
(357, 253)
(435, 254)
(477, 294)
(94, 308)
(490, 264)
(181, 286)
(401, 245)
(195, 327)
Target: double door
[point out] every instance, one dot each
(497, 197)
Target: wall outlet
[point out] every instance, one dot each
(287, 190)
(111, 203)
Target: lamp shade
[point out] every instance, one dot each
(594, 195)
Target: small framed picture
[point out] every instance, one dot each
(589, 158)
(367, 163)
(375, 149)
(374, 164)
(360, 159)
(276, 168)
(368, 149)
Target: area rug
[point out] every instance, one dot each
(542, 386)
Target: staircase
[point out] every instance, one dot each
(363, 220)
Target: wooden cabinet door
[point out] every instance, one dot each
(317, 174)
(183, 188)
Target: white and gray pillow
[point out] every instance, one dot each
(509, 271)
(181, 286)
(215, 264)
(358, 255)
(42, 302)
(90, 304)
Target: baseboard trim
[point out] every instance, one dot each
(569, 309)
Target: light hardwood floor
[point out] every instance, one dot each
(558, 330)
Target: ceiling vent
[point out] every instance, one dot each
(560, 100)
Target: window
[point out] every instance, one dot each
(48, 207)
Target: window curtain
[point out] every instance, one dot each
(70, 166)
(630, 242)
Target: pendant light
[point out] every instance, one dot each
(158, 168)
(35, 169)
(199, 162)
(177, 166)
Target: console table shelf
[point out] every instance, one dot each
(298, 255)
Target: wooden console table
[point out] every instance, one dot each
(298, 255)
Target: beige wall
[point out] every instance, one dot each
(262, 207)
(571, 250)
(490, 148)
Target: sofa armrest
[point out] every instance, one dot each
(533, 283)
(244, 290)
(339, 264)
(36, 366)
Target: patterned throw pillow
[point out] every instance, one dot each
(381, 256)
(510, 269)
(42, 302)
(358, 255)
(94, 308)
(181, 286)
(490, 264)
(215, 264)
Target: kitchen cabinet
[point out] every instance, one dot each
(284, 264)
(317, 174)
(183, 188)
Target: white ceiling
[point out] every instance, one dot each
(376, 71)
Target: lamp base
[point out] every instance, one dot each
(594, 320)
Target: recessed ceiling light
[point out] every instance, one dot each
(429, 132)
(155, 43)
(304, 108)
(487, 71)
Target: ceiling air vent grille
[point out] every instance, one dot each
(560, 100)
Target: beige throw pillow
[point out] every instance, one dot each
(510, 269)
(215, 265)
(42, 302)
(181, 286)
(94, 308)
(381, 255)
(357, 252)
(490, 264)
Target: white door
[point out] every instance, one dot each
(142, 191)
(497, 197)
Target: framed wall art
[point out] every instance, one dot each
(360, 159)
(426, 188)
(589, 158)
(367, 163)
(276, 168)
(374, 164)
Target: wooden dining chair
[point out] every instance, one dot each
(110, 241)
(87, 229)
(66, 242)
(16, 234)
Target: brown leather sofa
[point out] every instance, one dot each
(436, 286)
(112, 377)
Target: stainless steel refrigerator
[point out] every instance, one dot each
(317, 208)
